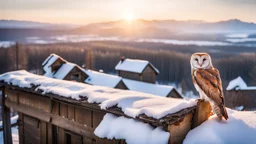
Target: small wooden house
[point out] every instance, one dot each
(239, 94)
(70, 71)
(139, 70)
(48, 116)
(56, 67)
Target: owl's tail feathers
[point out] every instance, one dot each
(224, 111)
(220, 111)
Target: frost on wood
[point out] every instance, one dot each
(132, 103)
(240, 129)
(134, 132)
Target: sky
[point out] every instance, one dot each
(89, 11)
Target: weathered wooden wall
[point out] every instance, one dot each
(174, 94)
(148, 75)
(246, 98)
(121, 85)
(52, 119)
(44, 120)
(129, 75)
(76, 71)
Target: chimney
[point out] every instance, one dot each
(122, 59)
(84, 66)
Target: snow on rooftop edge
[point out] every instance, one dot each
(134, 132)
(134, 65)
(239, 84)
(102, 79)
(64, 70)
(52, 56)
(132, 103)
(239, 129)
(161, 90)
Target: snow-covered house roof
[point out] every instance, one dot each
(48, 62)
(63, 71)
(102, 79)
(134, 65)
(239, 84)
(155, 89)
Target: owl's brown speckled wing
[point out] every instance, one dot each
(208, 80)
(210, 83)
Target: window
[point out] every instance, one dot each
(76, 77)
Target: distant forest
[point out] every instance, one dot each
(171, 60)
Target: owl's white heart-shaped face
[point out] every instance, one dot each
(200, 61)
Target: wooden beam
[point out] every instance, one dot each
(179, 130)
(7, 132)
(203, 112)
(167, 120)
(53, 119)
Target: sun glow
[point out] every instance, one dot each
(129, 17)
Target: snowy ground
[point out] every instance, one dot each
(239, 129)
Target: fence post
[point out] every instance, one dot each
(7, 132)
(203, 112)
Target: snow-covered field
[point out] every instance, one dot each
(6, 44)
(231, 39)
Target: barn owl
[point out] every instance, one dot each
(207, 82)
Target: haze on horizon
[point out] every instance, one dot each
(85, 11)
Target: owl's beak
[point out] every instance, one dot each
(199, 64)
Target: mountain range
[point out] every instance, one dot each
(193, 26)
(140, 28)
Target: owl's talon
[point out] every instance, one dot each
(200, 100)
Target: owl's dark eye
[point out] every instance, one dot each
(196, 59)
(204, 59)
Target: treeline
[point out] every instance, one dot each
(173, 66)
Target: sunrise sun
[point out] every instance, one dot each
(129, 17)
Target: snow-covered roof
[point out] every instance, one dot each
(155, 89)
(239, 84)
(130, 102)
(63, 70)
(50, 59)
(134, 65)
(102, 79)
(47, 64)
(239, 129)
